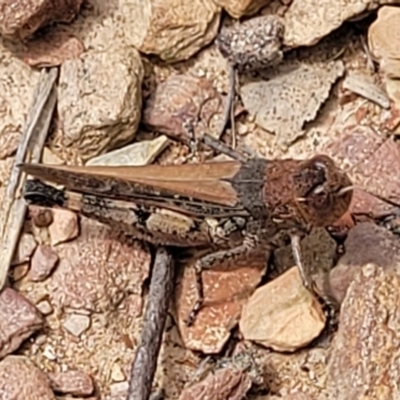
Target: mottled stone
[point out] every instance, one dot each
(99, 101)
(253, 44)
(25, 249)
(42, 263)
(366, 243)
(180, 103)
(73, 382)
(225, 291)
(225, 384)
(20, 379)
(51, 49)
(64, 226)
(365, 356)
(98, 269)
(359, 150)
(291, 95)
(21, 18)
(19, 319)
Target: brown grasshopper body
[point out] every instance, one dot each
(236, 210)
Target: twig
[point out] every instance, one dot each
(221, 147)
(229, 109)
(12, 213)
(145, 362)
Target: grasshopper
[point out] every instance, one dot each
(233, 210)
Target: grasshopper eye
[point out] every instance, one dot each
(319, 198)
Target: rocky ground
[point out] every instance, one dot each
(136, 81)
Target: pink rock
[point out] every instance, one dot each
(20, 379)
(98, 269)
(179, 100)
(64, 227)
(19, 319)
(76, 383)
(366, 243)
(224, 293)
(362, 152)
(225, 384)
(52, 49)
(43, 262)
(365, 354)
(21, 18)
(25, 249)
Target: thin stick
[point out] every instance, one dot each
(232, 108)
(145, 362)
(228, 109)
(13, 209)
(221, 147)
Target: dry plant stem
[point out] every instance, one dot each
(12, 213)
(145, 362)
(221, 147)
(370, 61)
(228, 110)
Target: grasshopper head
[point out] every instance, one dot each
(323, 191)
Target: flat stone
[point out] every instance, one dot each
(366, 243)
(42, 263)
(225, 384)
(64, 226)
(51, 50)
(140, 153)
(19, 319)
(76, 324)
(282, 314)
(26, 247)
(224, 292)
(74, 382)
(359, 150)
(19, 19)
(290, 96)
(20, 379)
(97, 270)
(182, 101)
(308, 21)
(365, 356)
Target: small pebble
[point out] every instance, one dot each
(76, 324)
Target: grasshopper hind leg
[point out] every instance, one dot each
(250, 249)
